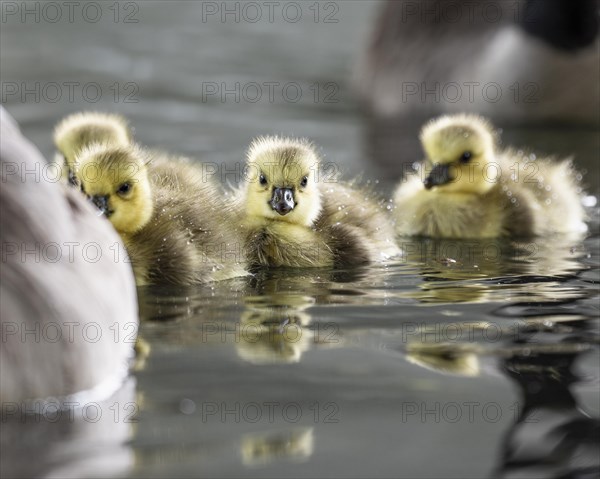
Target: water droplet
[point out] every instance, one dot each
(448, 261)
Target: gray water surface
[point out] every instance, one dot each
(459, 359)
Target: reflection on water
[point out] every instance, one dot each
(274, 328)
(479, 311)
(258, 449)
(295, 372)
(552, 436)
(81, 438)
(491, 270)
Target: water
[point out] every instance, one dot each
(460, 359)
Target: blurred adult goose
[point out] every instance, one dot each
(475, 190)
(532, 61)
(68, 310)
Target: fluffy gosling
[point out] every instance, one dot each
(79, 130)
(174, 224)
(294, 218)
(473, 190)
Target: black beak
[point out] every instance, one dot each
(439, 175)
(73, 179)
(282, 200)
(102, 203)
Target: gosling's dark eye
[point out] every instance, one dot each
(465, 157)
(124, 189)
(304, 182)
(262, 179)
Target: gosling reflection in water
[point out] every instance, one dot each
(295, 444)
(552, 436)
(472, 351)
(275, 331)
(478, 271)
(276, 321)
(455, 360)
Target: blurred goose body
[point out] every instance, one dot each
(509, 60)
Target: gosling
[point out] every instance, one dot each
(294, 218)
(79, 130)
(473, 190)
(173, 222)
